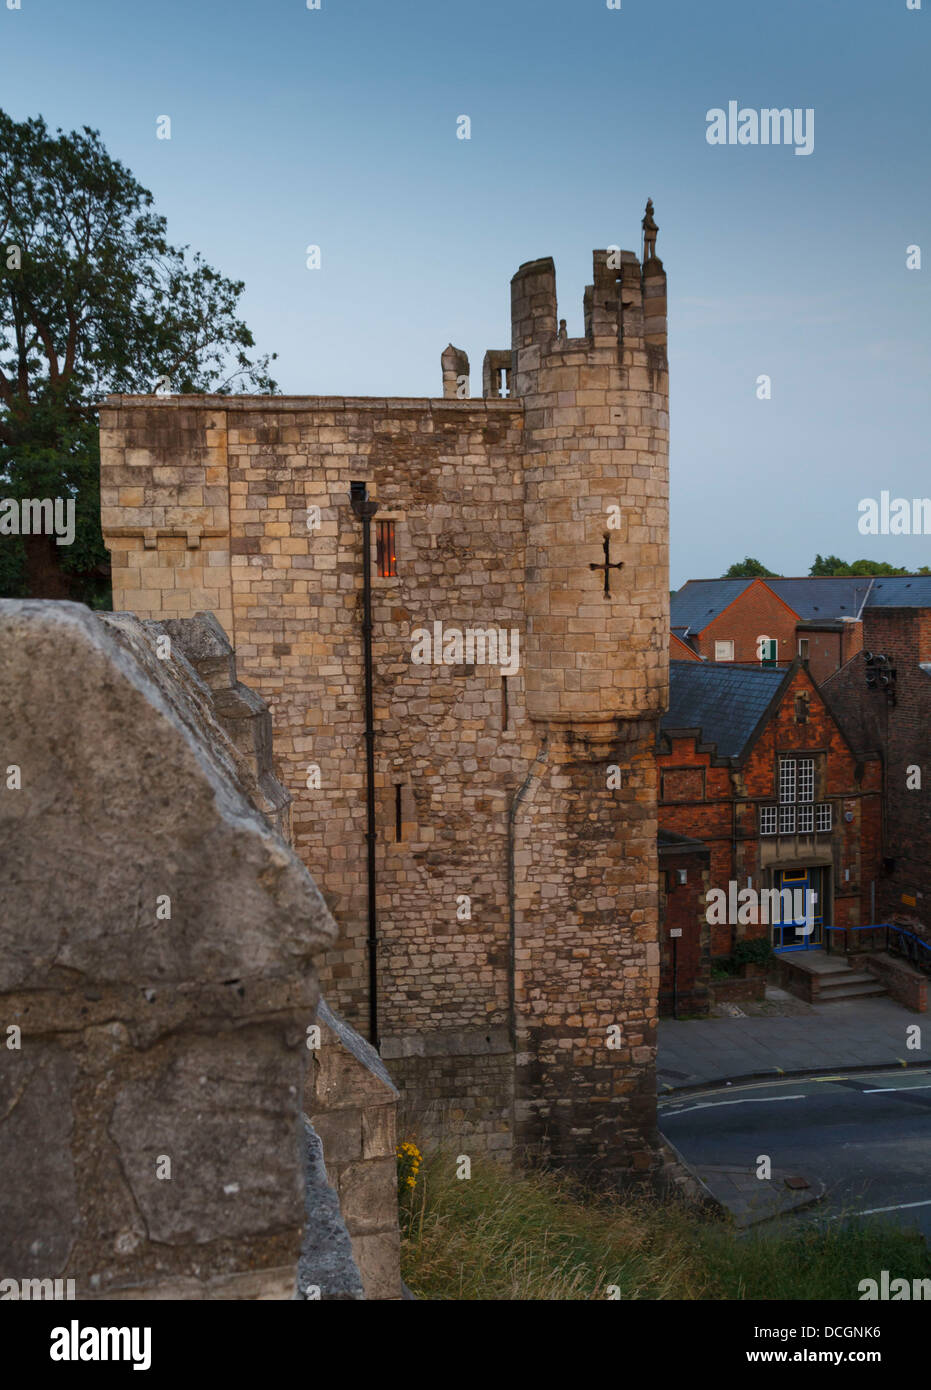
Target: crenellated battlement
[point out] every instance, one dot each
(624, 306)
(624, 311)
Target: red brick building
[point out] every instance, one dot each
(815, 619)
(685, 961)
(755, 764)
(885, 703)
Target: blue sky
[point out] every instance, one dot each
(338, 127)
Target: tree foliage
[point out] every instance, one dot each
(94, 299)
(748, 568)
(832, 565)
(824, 566)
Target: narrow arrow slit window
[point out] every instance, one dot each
(386, 552)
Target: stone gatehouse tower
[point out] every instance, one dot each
(516, 968)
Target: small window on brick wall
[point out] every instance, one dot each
(386, 549)
(724, 651)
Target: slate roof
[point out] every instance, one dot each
(909, 591)
(817, 600)
(823, 597)
(701, 600)
(725, 702)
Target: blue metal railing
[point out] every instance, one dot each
(895, 939)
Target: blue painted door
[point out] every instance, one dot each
(791, 934)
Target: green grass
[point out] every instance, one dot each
(503, 1236)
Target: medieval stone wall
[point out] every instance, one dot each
(504, 856)
(448, 474)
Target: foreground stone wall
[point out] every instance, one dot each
(156, 976)
(351, 1102)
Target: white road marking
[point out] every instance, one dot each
(746, 1100)
(879, 1090)
(668, 1097)
(873, 1211)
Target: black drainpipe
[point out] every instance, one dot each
(365, 509)
(512, 887)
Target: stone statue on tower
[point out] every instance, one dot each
(649, 232)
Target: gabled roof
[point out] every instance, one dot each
(725, 702)
(824, 597)
(907, 591)
(699, 601)
(815, 598)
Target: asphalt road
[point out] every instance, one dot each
(867, 1136)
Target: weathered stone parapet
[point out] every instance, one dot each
(351, 1102)
(242, 713)
(156, 971)
(327, 1269)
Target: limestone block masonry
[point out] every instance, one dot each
(517, 957)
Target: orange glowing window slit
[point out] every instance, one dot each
(387, 559)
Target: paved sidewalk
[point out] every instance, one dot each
(845, 1034)
(750, 1199)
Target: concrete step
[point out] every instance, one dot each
(852, 977)
(851, 989)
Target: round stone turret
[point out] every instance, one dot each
(596, 471)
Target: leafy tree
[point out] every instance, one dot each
(748, 568)
(873, 567)
(831, 565)
(93, 300)
(826, 566)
